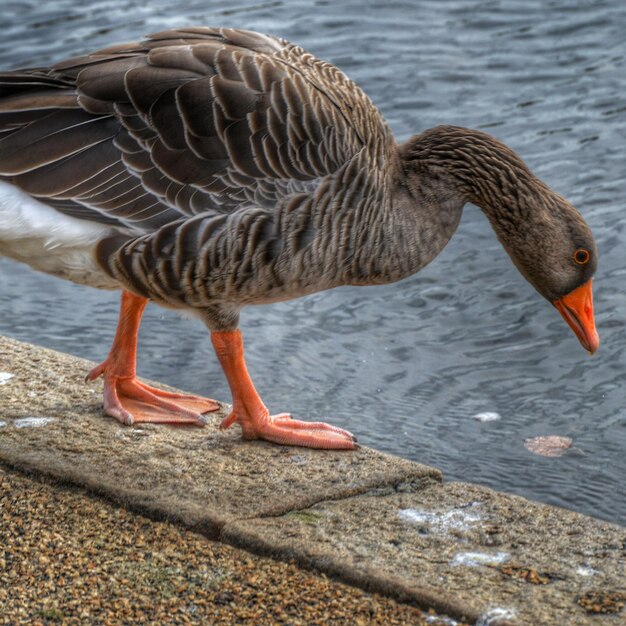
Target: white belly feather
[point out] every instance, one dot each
(49, 241)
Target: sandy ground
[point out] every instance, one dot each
(68, 558)
(378, 522)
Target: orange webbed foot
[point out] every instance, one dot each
(252, 415)
(284, 430)
(130, 401)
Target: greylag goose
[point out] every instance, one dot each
(209, 169)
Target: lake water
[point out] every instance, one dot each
(408, 366)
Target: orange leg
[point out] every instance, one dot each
(252, 415)
(128, 400)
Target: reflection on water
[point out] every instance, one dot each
(408, 366)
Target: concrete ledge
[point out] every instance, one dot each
(375, 521)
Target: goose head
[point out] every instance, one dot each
(544, 234)
(555, 251)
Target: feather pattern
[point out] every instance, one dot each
(208, 119)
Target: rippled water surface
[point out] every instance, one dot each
(408, 366)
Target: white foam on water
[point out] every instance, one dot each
(474, 559)
(32, 422)
(487, 416)
(5, 377)
(442, 521)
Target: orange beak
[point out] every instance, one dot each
(577, 310)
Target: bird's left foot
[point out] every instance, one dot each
(284, 430)
(252, 415)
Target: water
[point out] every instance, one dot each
(408, 366)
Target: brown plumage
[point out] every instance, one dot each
(218, 168)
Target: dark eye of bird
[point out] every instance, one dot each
(581, 256)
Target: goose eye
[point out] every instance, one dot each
(581, 256)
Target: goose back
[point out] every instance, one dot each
(189, 122)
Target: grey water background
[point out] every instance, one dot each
(407, 366)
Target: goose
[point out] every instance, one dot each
(207, 169)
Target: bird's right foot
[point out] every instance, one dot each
(130, 401)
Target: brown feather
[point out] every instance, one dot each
(51, 138)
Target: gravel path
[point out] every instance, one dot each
(68, 558)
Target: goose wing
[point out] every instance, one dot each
(187, 122)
